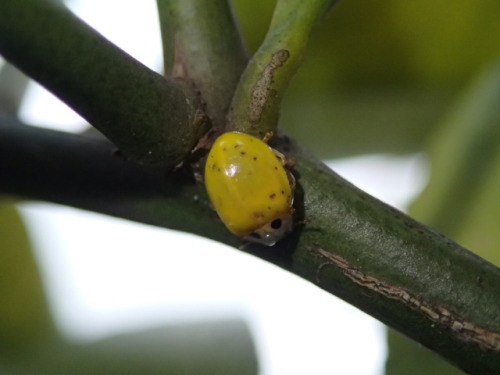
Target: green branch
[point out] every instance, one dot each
(85, 171)
(352, 245)
(202, 44)
(151, 119)
(256, 102)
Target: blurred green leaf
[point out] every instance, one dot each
(357, 122)
(480, 228)
(448, 40)
(406, 357)
(24, 316)
(254, 18)
(216, 347)
(462, 154)
(402, 43)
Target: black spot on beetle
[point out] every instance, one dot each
(272, 196)
(276, 224)
(242, 152)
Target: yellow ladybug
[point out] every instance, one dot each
(250, 188)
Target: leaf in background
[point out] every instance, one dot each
(254, 18)
(450, 39)
(359, 122)
(24, 316)
(480, 229)
(463, 153)
(395, 43)
(222, 347)
(406, 357)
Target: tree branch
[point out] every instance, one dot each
(87, 172)
(352, 245)
(150, 118)
(202, 43)
(256, 102)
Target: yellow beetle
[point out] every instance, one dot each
(250, 188)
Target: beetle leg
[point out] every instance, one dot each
(267, 137)
(291, 180)
(287, 163)
(280, 157)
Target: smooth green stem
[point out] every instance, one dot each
(153, 120)
(350, 244)
(202, 44)
(255, 105)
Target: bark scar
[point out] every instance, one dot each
(262, 91)
(464, 330)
